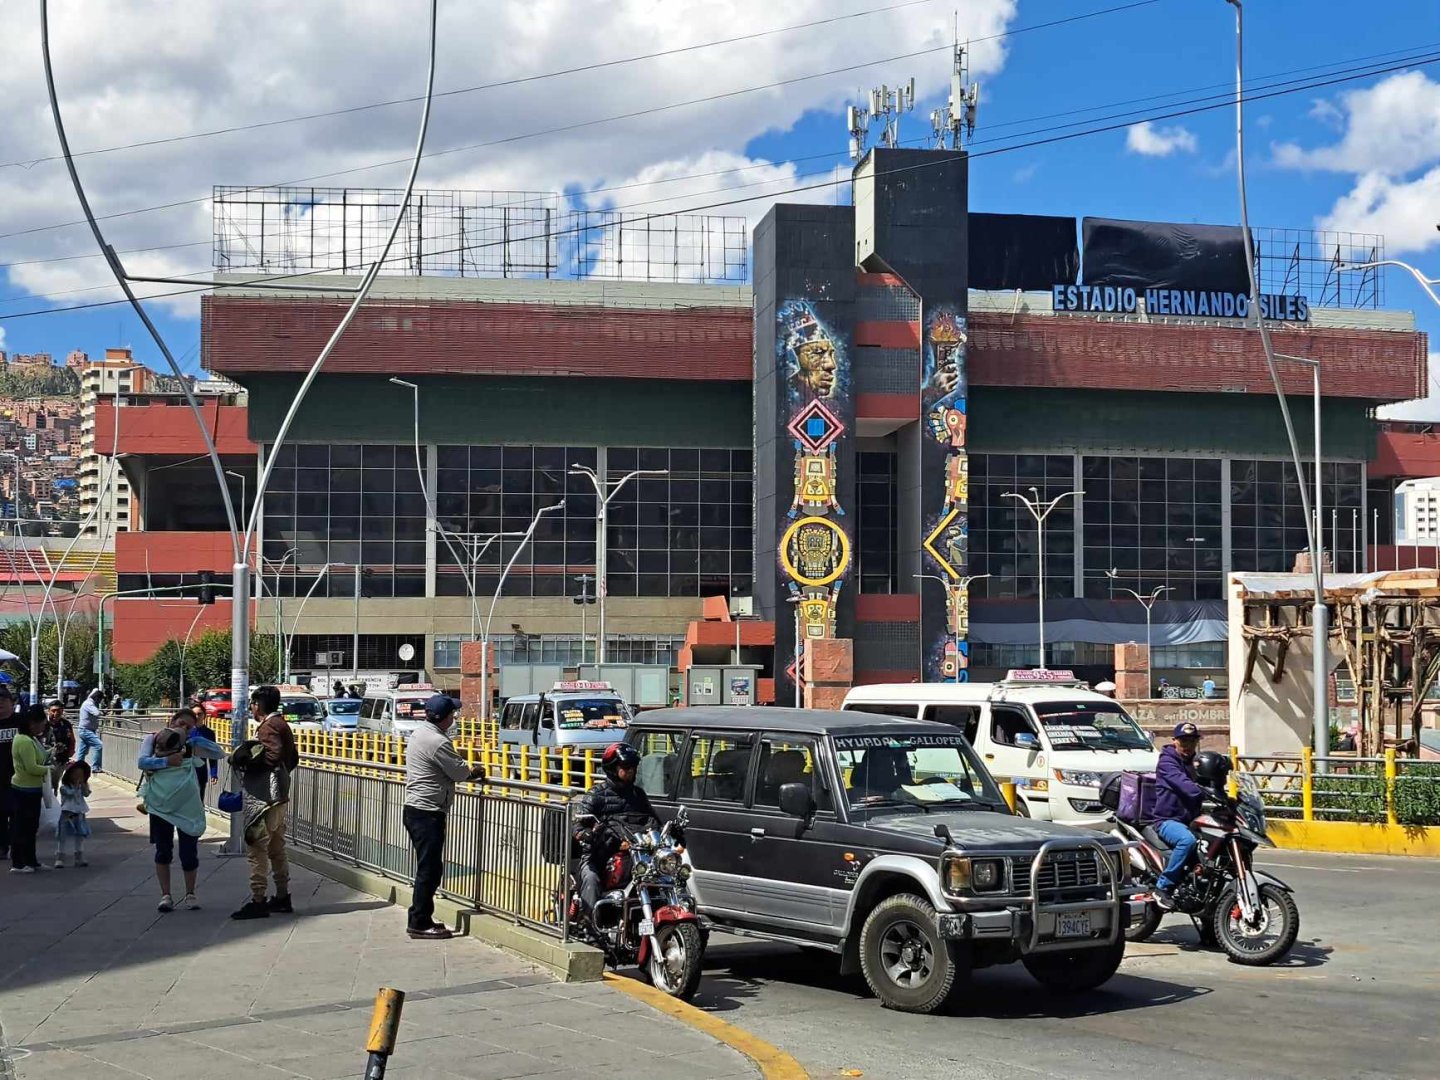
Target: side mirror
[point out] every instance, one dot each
(796, 801)
(1026, 741)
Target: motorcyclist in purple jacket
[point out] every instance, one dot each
(1177, 803)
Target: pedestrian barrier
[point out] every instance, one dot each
(506, 844)
(1387, 789)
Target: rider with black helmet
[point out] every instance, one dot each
(616, 798)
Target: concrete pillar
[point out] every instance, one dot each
(1132, 675)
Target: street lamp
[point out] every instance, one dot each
(602, 511)
(1319, 614)
(185, 644)
(499, 586)
(958, 585)
(1428, 284)
(1147, 602)
(288, 640)
(241, 478)
(1040, 510)
(799, 674)
(264, 562)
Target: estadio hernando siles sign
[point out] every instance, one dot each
(1208, 303)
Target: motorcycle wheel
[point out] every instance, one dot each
(1075, 972)
(1148, 924)
(1272, 939)
(675, 967)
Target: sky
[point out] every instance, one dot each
(1360, 155)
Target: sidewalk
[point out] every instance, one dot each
(95, 984)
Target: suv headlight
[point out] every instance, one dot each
(962, 875)
(1078, 777)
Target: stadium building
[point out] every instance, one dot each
(830, 416)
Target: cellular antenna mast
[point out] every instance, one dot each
(953, 126)
(886, 106)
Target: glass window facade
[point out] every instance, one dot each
(1268, 523)
(1003, 536)
(347, 504)
(877, 521)
(1155, 521)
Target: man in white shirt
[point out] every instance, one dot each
(89, 730)
(432, 769)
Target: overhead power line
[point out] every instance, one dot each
(803, 188)
(598, 66)
(580, 125)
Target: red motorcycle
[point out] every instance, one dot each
(646, 914)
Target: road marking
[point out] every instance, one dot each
(773, 1063)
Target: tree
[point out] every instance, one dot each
(156, 682)
(79, 651)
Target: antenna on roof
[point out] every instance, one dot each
(953, 125)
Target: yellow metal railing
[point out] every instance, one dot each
(1345, 788)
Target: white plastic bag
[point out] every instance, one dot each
(49, 810)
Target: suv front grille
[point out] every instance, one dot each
(1063, 870)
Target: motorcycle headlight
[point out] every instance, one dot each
(668, 865)
(1077, 777)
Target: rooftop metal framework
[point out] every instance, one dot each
(1305, 262)
(521, 234)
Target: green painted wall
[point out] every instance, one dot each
(480, 410)
(1011, 420)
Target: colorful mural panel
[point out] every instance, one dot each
(944, 413)
(814, 546)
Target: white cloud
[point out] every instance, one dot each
(1406, 212)
(152, 69)
(1025, 173)
(1390, 128)
(1149, 140)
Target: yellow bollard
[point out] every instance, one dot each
(544, 776)
(384, 1030)
(589, 769)
(565, 768)
(1307, 784)
(1007, 789)
(524, 763)
(1390, 816)
(1232, 785)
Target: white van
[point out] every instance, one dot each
(579, 714)
(395, 712)
(1046, 730)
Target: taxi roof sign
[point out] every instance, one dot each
(580, 684)
(1039, 676)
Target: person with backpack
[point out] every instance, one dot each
(265, 764)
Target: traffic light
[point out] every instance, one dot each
(207, 587)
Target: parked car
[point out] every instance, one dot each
(217, 702)
(341, 714)
(885, 841)
(301, 708)
(1057, 739)
(395, 712)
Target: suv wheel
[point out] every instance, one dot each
(908, 966)
(1076, 971)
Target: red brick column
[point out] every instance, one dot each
(829, 672)
(470, 680)
(1132, 676)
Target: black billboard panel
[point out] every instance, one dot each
(1022, 251)
(1162, 254)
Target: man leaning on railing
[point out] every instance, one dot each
(432, 769)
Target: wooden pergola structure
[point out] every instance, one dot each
(1386, 627)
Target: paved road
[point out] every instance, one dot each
(1359, 997)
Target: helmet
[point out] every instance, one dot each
(619, 756)
(1212, 767)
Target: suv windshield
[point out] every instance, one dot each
(919, 770)
(1090, 725)
(596, 712)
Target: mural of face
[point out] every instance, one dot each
(818, 367)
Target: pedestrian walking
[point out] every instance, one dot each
(59, 739)
(265, 770)
(173, 804)
(90, 712)
(8, 731)
(432, 769)
(74, 822)
(28, 782)
(206, 772)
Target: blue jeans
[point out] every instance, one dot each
(90, 740)
(1182, 842)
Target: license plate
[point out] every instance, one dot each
(1072, 924)
(647, 927)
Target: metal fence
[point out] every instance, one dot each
(506, 845)
(1391, 789)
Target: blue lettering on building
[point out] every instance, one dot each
(1214, 304)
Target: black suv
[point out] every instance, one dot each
(884, 840)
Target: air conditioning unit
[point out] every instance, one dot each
(333, 658)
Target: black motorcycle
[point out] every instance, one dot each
(1250, 914)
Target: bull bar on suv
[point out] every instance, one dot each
(1003, 914)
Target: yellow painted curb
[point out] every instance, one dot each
(1356, 838)
(773, 1063)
